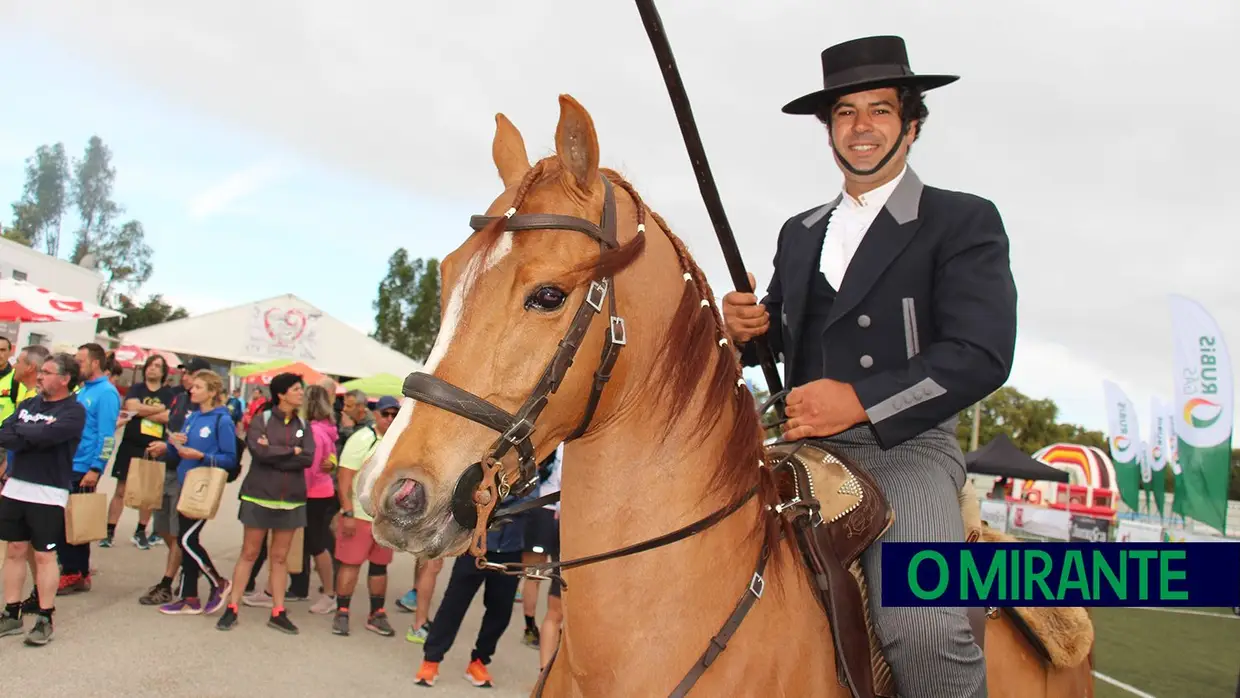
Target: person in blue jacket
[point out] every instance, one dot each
(207, 440)
(504, 544)
(103, 409)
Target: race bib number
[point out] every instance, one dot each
(152, 429)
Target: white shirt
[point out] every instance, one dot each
(552, 485)
(849, 222)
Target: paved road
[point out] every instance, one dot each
(107, 644)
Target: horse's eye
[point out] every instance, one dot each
(545, 298)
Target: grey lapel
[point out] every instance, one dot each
(802, 258)
(887, 237)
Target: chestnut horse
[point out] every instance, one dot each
(673, 436)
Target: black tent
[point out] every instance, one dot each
(1002, 457)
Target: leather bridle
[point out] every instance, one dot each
(481, 487)
(485, 483)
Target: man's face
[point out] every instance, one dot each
(187, 379)
(86, 364)
(6, 351)
(25, 368)
(50, 382)
(864, 126)
(383, 419)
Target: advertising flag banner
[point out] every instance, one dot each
(1203, 411)
(1125, 442)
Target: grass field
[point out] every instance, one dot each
(1167, 654)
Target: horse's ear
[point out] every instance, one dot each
(576, 143)
(508, 151)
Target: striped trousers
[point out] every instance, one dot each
(930, 650)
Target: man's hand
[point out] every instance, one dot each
(297, 450)
(822, 408)
(743, 316)
(90, 479)
(156, 449)
(262, 440)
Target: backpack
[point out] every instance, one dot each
(235, 472)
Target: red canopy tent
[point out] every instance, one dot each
(132, 356)
(264, 377)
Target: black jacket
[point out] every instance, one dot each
(924, 324)
(44, 437)
(277, 474)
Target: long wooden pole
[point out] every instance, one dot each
(706, 182)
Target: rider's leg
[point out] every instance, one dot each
(930, 650)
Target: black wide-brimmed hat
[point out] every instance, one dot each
(864, 64)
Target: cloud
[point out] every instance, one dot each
(1102, 130)
(233, 188)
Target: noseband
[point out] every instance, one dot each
(485, 483)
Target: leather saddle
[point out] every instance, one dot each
(836, 512)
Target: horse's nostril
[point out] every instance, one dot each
(409, 496)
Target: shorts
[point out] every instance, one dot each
(257, 516)
(125, 453)
(166, 519)
(41, 525)
(542, 532)
(361, 547)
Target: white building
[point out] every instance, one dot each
(283, 327)
(23, 263)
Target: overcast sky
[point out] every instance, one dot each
(1103, 130)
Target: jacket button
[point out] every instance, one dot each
(863, 320)
(867, 361)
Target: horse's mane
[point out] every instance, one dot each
(695, 350)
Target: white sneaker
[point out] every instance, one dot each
(324, 605)
(258, 599)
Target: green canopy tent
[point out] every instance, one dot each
(377, 386)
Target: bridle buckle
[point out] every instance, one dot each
(619, 335)
(596, 295)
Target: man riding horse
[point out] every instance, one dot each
(893, 308)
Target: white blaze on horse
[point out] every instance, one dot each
(573, 313)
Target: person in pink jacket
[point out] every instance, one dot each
(321, 501)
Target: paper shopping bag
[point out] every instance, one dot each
(144, 487)
(86, 518)
(296, 550)
(201, 493)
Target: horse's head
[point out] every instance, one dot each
(524, 296)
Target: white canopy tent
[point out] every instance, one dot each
(276, 328)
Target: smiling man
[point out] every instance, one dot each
(893, 309)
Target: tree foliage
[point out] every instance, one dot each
(1031, 424)
(407, 305)
(37, 214)
(52, 185)
(153, 311)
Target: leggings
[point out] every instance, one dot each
(194, 558)
(318, 538)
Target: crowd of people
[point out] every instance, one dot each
(65, 420)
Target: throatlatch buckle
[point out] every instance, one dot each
(757, 585)
(597, 289)
(619, 335)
